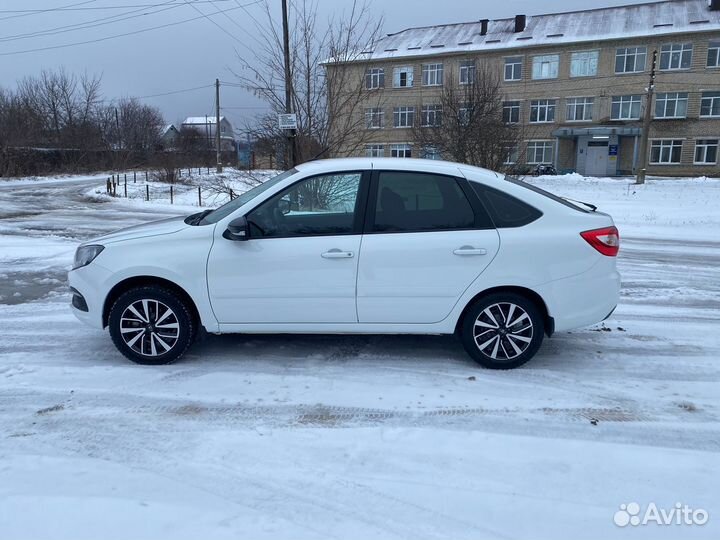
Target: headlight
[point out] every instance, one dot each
(85, 255)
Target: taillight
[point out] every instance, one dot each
(605, 240)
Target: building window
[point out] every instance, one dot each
(512, 154)
(676, 56)
(432, 74)
(542, 110)
(403, 77)
(671, 105)
(630, 59)
(430, 152)
(513, 68)
(374, 118)
(431, 115)
(400, 150)
(403, 117)
(666, 151)
(539, 152)
(584, 64)
(713, 58)
(511, 112)
(467, 72)
(374, 150)
(580, 109)
(374, 78)
(710, 105)
(706, 151)
(545, 67)
(625, 107)
(464, 115)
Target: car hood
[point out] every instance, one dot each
(154, 228)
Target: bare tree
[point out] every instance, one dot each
(328, 91)
(466, 123)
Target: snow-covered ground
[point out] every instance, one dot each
(361, 437)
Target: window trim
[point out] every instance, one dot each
(620, 118)
(585, 105)
(551, 55)
(505, 64)
(596, 52)
(372, 73)
(468, 66)
(712, 101)
(432, 67)
(677, 100)
(545, 104)
(535, 142)
(625, 56)
(361, 204)
(668, 163)
(463, 183)
(670, 52)
(717, 151)
(713, 45)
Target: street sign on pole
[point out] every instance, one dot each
(287, 121)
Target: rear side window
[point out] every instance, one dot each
(505, 210)
(408, 202)
(547, 194)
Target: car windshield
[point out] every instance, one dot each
(228, 208)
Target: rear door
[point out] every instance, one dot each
(426, 240)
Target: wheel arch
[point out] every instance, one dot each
(523, 291)
(145, 281)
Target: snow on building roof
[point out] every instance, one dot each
(200, 120)
(651, 19)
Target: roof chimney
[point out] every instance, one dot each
(484, 26)
(520, 21)
(714, 5)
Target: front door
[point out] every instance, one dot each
(424, 245)
(596, 160)
(299, 264)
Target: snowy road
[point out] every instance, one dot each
(358, 437)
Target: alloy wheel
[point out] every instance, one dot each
(149, 327)
(503, 331)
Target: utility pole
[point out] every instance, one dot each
(642, 164)
(288, 83)
(217, 126)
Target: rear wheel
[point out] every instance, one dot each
(151, 325)
(502, 330)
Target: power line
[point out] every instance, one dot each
(45, 10)
(96, 8)
(95, 22)
(106, 38)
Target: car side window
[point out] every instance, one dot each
(321, 205)
(505, 210)
(410, 202)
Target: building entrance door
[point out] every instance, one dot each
(596, 159)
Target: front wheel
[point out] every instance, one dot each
(151, 325)
(502, 330)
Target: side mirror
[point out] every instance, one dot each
(237, 230)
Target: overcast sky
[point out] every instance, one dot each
(193, 53)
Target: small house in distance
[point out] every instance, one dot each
(205, 125)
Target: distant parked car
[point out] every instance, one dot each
(543, 169)
(349, 246)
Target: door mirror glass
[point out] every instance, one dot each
(320, 205)
(237, 229)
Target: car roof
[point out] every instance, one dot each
(402, 164)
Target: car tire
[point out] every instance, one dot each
(151, 325)
(502, 330)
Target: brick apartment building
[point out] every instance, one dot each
(576, 83)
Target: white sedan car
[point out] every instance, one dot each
(349, 246)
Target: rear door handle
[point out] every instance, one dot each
(337, 254)
(469, 250)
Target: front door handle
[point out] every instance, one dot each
(469, 250)
(337, 254)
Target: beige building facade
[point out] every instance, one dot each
(574, 83)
